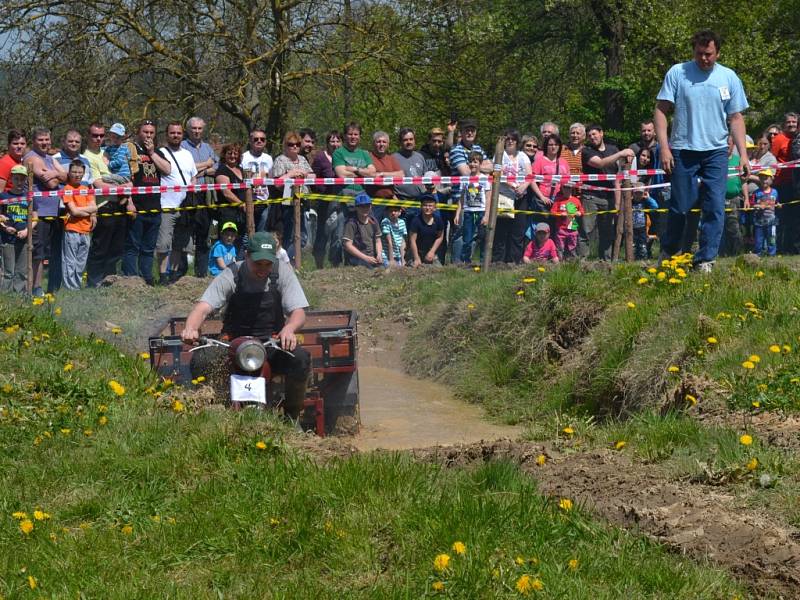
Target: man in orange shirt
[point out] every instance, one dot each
(789, 234)
(81, 219)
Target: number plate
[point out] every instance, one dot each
(248, 389)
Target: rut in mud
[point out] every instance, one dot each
(699, 520)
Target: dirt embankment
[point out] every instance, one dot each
(703, 521)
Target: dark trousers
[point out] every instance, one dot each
(140, 245)
(195, 225)
(504, 246)
(789, 221)
(54, 268)
(108, 244)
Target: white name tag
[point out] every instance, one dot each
(248, 389)
(724, 93)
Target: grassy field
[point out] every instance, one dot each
(112, 486)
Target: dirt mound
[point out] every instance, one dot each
(774, 428)
(698, 520)
(119, 281)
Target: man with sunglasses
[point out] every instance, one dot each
(140, 243)
(257, 163)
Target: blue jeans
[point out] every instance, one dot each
(711, 167)
(140, 244)
(765, 234)
(472, 232)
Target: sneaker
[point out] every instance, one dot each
(704, 267)
(37, 292)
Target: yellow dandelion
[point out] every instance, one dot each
(459, 548)
(49, 297)
(673, 369)
(261, 445)
(642, 280)
(786, 348)
(568, 430)
(144, 355)
(116, 387)
(520, 292)
(156, 518)
(8, 388)
(68, 367)
(37, 301)
(652, 270)
(127, 529)
(631, 305)
(178, 406)
(759, 273)
(754, 358)
(746, 439)
(762, 387)
(101, 408)
(529, 280)
(519, 561)
(755, 404)
(775, 349)
(103, 420)
(19, 515)
(661, 276)
(565, 504)
(476, 269)
(573, 564)
(470, 306)
(541, 460)
(274, 522)
(674, 280)
(88, 432)
(116, 330)
(26, 526)
(748, 364)
(441, 562)
(752, 464)
(201, 379)
(437, 586)
(712, 340)
(541, 269)
(620, 445)
(691, 399)
(57, 311)
(194, 381)
(31, 579)
(66, 431)
(40, 515)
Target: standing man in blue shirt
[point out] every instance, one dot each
(706, 97)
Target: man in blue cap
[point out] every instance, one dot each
(263, 298)
(361, 239)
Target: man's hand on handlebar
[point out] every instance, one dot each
(190, 335)
(288, 339)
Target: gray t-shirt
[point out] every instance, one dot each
(413, 166)
(221, 289)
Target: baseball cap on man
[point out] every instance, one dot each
(262, 246)
(230, 225)
(362, 199)
(467, 124)
(19, 170)
(748, 142)
(117, 128)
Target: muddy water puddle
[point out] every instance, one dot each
(399, 412)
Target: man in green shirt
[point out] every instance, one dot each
(732, 241)
(351, 161)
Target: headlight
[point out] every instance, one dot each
(251, 355)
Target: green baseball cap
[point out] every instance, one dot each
(262, 246)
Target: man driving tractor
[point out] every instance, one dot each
(264, 300)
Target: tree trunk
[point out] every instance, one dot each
(277, 107)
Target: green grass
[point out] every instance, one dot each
(159, 503)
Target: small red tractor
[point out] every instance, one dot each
(331, 403)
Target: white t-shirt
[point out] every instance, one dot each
(260, 166)
(186, 165)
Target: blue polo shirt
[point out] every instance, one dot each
(200, 153)
(703, 101)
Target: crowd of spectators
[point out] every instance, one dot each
(82, 238)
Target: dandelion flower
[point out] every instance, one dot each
(746, 439)
(201, 379)
(470, 306)
(565, 504)
(759, 273)
(178, 406)
(748, 364)
(116, 387)
(573, 564)
(541, 460)
(103, 420)
(40, 515)
(459, 548)
(441, 562)
(752, 464)
(529, 280)
(57, 311)
(144, 355)
(754, 358)
(127, 529)
(37, 301)
(661, 276)
(88, 432)
(519, 561)
(527, 584)
(631, 305)
(786, 348)
(68, 367)
(620, 445)
(476, 269)
(26, 526)
(673, 369)
(691, 399)
(520, 292)
(712, 340)
(116, 330)
(775, 349)
(674, 280)
(261, 445)
(541, 269)
(19, 515)
(755, 404)
(437, 586)
(568, 430)
(642, 280)
(652, 270)
(31, 579)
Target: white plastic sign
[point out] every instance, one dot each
(248, 389)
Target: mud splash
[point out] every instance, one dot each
(399, 412)
(698, 520)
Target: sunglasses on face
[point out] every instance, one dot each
(259, 139)
(292, 144)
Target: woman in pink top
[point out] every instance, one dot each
(548, 162)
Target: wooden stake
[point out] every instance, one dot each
(249, 209)
(498, 170)
(298, 258)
